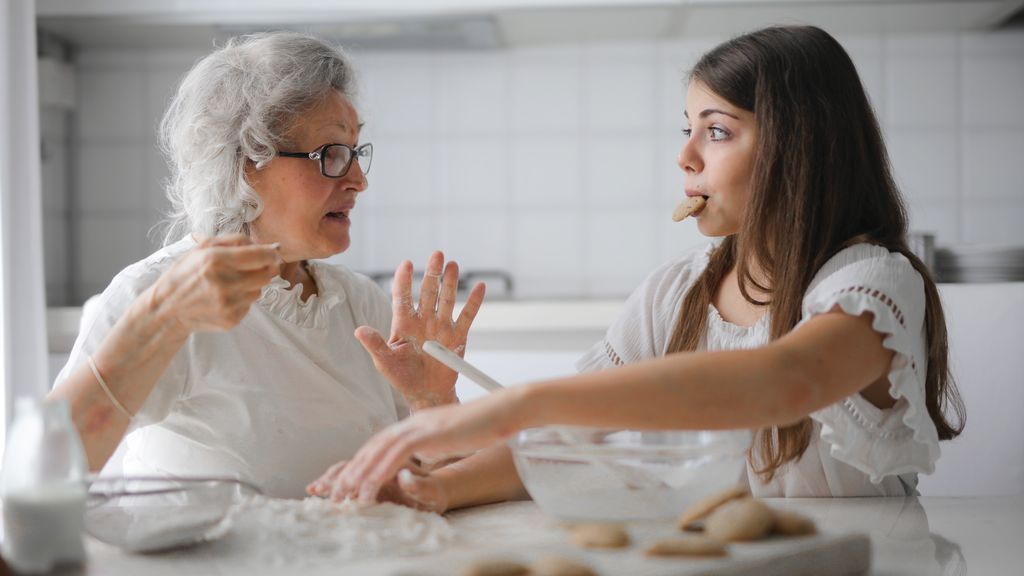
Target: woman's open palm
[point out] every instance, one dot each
(422, 380)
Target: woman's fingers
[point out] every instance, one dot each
(429, 287)
(469, 311)
(401, 289)
(449, 288)
(374, 343)
(248, 257)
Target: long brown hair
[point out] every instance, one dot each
(821, 181)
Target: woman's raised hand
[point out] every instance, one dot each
(213, 285)
(423, 381)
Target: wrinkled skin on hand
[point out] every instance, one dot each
(212, 286)
(423, 381)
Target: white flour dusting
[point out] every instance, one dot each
(286, 532)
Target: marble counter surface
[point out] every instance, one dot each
(908, 536)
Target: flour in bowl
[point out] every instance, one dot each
(286, 532)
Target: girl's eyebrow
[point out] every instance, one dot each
(709, 111)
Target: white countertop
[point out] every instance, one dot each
(908, 536)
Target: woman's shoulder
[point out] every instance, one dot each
(137, 277)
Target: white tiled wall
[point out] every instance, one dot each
(558, 163)
(56, 209)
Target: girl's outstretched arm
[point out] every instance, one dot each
(827, 359)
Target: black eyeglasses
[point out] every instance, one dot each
(336, 159)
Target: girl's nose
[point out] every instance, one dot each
(688, 159)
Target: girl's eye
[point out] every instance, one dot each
(717, 133)
(687, 132)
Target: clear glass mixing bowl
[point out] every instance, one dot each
(603, 474)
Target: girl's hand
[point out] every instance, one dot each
(423, 381)
(412, 487)
(212, 286)
(452, 429)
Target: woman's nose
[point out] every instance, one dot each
(355, 179)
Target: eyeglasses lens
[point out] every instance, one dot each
(337, 159)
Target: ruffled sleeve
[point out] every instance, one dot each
(643, 328)
(902, 439)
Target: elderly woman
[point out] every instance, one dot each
(231, 351)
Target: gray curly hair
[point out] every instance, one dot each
(235, 106)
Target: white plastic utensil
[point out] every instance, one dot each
(634, 478)
(453, 361)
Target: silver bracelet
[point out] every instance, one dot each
(103, 384)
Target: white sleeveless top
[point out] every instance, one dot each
(275, 400)
(856, 448)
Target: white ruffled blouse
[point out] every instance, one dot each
(856, 449)
(275, 400)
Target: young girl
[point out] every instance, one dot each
(811, 322)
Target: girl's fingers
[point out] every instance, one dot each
(389, 460)
(353, 475)
(431, 279)
(319, 486)
(469, 311)
(449, 289)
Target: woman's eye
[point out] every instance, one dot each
(717, 133)
(687, 132)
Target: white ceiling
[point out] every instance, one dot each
(484, 24)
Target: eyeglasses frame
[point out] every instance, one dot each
(318, 154)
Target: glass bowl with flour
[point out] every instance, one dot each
(577, 473)
(152, 514)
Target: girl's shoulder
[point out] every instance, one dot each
(869, 277)
(874, 265)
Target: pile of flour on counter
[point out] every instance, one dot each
(286, 532)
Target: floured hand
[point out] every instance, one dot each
(423, 381)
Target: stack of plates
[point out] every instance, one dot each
(980, 264)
